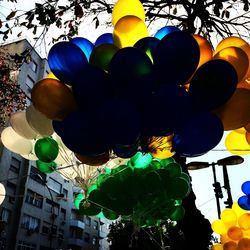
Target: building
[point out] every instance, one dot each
(38, 211)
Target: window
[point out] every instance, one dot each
(48, 228)
(65, 193)
(52, 207)
(22, 245)
(86, 237)
(60, 233)
(29, 83)
(37, 175)
(5, 215)
(15, 165)
(30, 222)
(95, 225)
(34, 199)
(54, 185)
(11, 191)
(63, 214)
(87, 221)
(34, 66)
(94, 240)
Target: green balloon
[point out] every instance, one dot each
(110, 215)
(78, 200)
(179, 188)
(88, 208)
(112, 187)
(45, 167)
(174, 169)
(118, 169)
(46, 149)
(140, 160)
(99, 198)
(177, 213)
(152, 182)
(165, 162)
(101, 178)
(91, 188)
(185, 176)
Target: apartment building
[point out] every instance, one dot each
(38, 212)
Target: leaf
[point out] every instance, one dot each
(34, 30)
(11, 15)
(97, 23)
(1, 23)
(78, 11)
(175, 11)
(19, 34)
(227, 14)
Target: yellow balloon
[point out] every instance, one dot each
(219, 227)
(236, 142)
(127, 8)
(237, 209)
(51, 76)
(235, 233)
(161, 147)
(244, 221)
(128, 30)
(237, 57)
(229, 217)
(217, 247)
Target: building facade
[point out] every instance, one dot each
(38, 212)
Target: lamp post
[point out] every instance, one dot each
(228, 161)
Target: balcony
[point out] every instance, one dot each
(75, 242)
(102, 234)
(77, 223)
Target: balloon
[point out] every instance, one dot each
(109, 214)
(78, 199)
(229, 217)
(102, 55)
(243, 202)
(180, 188)
(94, 85)
(235, 113)
(206, 49)
(217, 247)
(82, 134)
(84, 44)
(248, 138)
(244, 244)
(127, 7)
(230, 245)
(165, 31)
(46, 149)
(38, 121)
(93, 160)
(128, 30)
(201, 133)
(247, 127)
(52, 76)
(212, 84)
(21, 126)
(244, 221)
(46, 168)
(66, 60)
(236, 142)
(88, 208)
(53, 99)
(140, 160)
(245, 187)
(148, 45)
(104, 38)
(237, 57)
(15, 143)
(177, 57)
(219, 227)
(237, 209)
(177, 213)
(2, 193)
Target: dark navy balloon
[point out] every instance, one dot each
(212, 84)
(176, 57)
(104, 38)
(66, 60)
(201, 133)
(165, 31)
(84, 44)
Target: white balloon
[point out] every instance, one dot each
(19, 123)
(39, 122)
(2, 193)
(16, 143)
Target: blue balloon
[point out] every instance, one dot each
(165, 31)
(66, 61)
(176, 57)
(246, 187)
(244, 202)
(84, 44)
(212, 85)
(201, 133)
(104, 38)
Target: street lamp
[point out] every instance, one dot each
(228, 161)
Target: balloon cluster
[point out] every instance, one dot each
(145, 190)
(234, 229)
(244, 201)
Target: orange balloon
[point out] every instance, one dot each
(235, 113)
(244, 244)
(248, 137)
(244, 84)
(53, 99)
(235, 233)
(244, 221)
(224, 238)
(217, 247)
(247, 127)
(206, 49)
(237, 57)
(231, 245)
(93, 160)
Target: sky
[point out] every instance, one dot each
(202, 179)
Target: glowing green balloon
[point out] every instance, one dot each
(45, 167)
(110, 215)
(167, 161)
(91, 188)
(100, 215)
(46, 149)
(78, 200)
(140, 160)
(178, 213)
